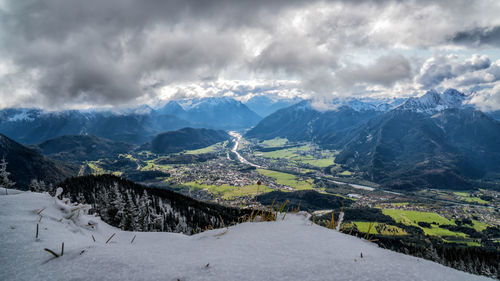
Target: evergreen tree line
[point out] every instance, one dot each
(134, 207)
(476, 260)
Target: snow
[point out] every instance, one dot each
(289, 249)
(191, 104)
(433, 102)
(23, 115)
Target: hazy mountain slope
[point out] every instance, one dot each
(292, 122)
(31, 126)
(411, 148)
(301, 122)
(265, 105)
(82, 148)
(216, 113)
(26, 164)
(403, 149)
(185, 139)
(494, 114)
(134, 128)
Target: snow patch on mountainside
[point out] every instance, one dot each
(21, 116)
(290, 249)
(433, 102)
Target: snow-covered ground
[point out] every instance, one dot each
(290, 249)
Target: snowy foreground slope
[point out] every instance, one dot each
(290, 249)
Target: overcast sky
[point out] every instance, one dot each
(73, 53)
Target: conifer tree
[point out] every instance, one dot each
(5, 182)
(129, 219)
(34, 185)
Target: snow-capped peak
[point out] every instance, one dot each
(358, 105)
(432, 101)
(189, 104)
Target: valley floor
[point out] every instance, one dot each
(290, 249)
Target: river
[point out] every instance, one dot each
(237, 140)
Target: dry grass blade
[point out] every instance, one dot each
(297, 209)
(222, 233)
(369, 229)
(112, 235)
(282, 207)
(52, 252)
(331, 223)
(222, 221)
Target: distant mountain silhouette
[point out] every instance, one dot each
(82, 148)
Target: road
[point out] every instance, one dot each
(237, 140)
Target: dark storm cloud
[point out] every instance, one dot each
(110, 51)
(487, 36)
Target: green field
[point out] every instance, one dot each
(94, 166)
(469, 198)
(479, 226)
(127, 156)
(229, 192)
(276, 142)
(435, 230)
(385, 229)
(325, 162)
(152, 166)
(345, 173)
(414, 217)
(302, 155)
(287, 179)
(207, 149)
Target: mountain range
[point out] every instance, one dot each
(436, 140)
(302, 122)
(137, 126)
(216, 113)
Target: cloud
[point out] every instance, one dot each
(64, 53)
(439, 68)
(479, 36)
(386, 71)
(487, 99)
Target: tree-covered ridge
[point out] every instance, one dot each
(133, 207)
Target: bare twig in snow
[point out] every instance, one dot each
(110, 238)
